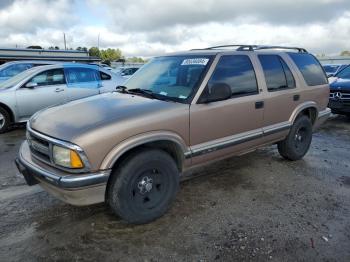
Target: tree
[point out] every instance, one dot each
(54, 48)
(79, 48)
(136, 60)
(111, 54)
(34, 47)
(345, 53)
(94, 51)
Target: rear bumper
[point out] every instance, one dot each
(77, 189)
(322, 117)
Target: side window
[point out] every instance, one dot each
(310, 68)
(81, 75)
(277, 74)
(105, 76)
(237, 72)
(49, 77)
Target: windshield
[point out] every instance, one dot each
(14, 80)
(331, 68)
(344, 73)
(170, 77)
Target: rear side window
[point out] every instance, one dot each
(236, 71)
(310, 68)
(81, 75)
(105, 76)
(277, 74)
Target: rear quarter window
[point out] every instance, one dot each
(310, 68)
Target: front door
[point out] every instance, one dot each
(46, 89)
(223, 127)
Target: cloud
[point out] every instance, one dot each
(26, 16)
(145, 15)
(153, 27)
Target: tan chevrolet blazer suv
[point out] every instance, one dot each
(128, 148)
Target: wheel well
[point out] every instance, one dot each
(170, 147)
(311, 113)
(12, 117)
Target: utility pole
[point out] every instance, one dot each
(65, 43)
(98, 41)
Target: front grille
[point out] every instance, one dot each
(39, 148)
(340, 95)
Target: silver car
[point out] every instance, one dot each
(10, 69)
(45, 86)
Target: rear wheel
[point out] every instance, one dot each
(4, 120)
(143, 186)
(298, 141)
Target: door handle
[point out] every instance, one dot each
(59, 90)
(259, 104)
(296, 97)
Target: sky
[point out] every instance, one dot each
(153, 27)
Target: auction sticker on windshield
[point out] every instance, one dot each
(195, 61)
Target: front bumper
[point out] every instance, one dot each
(339, 106)
(75, 189)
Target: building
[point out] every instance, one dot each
(14, 54)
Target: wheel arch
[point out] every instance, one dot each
(9, 110)
(170, 142)
(308, 108)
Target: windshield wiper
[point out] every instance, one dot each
(122, 89)
(146, 92)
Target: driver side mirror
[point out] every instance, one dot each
(31, 85)
(218, 92)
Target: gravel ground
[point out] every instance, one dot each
(256, 207)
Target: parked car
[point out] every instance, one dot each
(333, 69)
(105, 66)
(44, 86)
(129, 148)
(11, 69)
(127, 72)
(339, 97)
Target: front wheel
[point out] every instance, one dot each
(298, 141)
(143, 186)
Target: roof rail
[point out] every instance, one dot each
(254, 47)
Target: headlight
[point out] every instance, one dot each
(66, 157)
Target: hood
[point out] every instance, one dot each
(340, 84)
(72, 120)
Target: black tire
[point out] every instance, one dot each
(298, 141)
(5, 120)
(142, 188)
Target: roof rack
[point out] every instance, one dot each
(254, 48)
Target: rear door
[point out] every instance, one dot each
(283, 94)
(223, 127)
(82, 82)
(49, 90)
